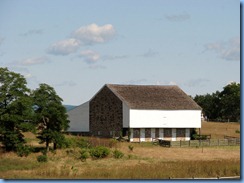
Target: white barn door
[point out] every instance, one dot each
(142, 134)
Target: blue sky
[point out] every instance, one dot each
(77, 46)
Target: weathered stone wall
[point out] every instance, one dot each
(106, 118)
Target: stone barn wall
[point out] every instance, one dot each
(106, 118)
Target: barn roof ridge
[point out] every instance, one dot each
(166, 97)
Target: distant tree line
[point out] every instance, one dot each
(221, 106)
(23, 110)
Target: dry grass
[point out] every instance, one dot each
(146, 161)
(219, 130)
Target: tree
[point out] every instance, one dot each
(15, 108)
(209, 104)
(230, 102)
(224, 105)
(51, 116)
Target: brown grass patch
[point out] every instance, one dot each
(219, 130)
(146, 161)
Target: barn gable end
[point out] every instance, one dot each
(106, 117)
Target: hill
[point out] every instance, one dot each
(69, 107)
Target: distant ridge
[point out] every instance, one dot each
(69, 107)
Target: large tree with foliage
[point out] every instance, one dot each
(230, 102)
(224, 105)
(15, 108)
(51, 116)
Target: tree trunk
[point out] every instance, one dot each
(54, 146)
(47, 145)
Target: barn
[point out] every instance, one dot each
(141, 112)
(79, 119)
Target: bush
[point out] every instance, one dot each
(99, 152)
(131, 147)
(42, 158)
(23, 150)
(118, 154)
(113, 143)
(82, 143)
(84, 154)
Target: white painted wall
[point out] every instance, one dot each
(165, 118)
(161, 133)
(142, 134)
(173, 134)
(79, 118)
(188, 134)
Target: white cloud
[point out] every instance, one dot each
(172, 83)
(178, 17)
(111, 57)
(166, 83)
(64, 47)
(84, 36)
(93, 33)
(34, 61)
(89, 56)
(227, 50)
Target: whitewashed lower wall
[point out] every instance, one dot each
(79, 118)
(164, 118)
(161, 135)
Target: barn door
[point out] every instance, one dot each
(142, 134)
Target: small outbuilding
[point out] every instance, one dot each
(141, 112)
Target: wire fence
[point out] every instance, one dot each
(196, 143)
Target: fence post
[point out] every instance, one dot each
(180, 143)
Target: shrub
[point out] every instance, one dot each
(113, 143)
(118, 154)
(42, 158)
(82, 143)
(99, 152)
(67, 143)
(23, 150)
(84, 155)
(131, 147)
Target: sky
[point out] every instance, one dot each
(77, 46)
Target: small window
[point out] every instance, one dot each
(180, 132)
(136, 132)
(167, 132)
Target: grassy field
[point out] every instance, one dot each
(146, 161)
(219, 130)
